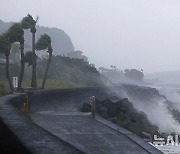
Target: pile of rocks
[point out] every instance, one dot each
(122, 112)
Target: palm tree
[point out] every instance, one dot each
(16, 34)
(5, 47)
(43, 43)
(28, 58)
(29, 23)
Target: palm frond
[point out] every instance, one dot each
(43, 42)
(15, 33)
(28, 22)
(4, 43)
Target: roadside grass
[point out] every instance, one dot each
(4, 89)
(53, 84)
(50, 84)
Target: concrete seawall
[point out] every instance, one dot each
(68, 100)
(20, 135)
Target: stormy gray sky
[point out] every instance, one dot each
(125, 33)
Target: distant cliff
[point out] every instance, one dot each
(60, 40)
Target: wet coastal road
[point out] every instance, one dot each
(86, 133)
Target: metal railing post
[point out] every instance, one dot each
(26, 105)
(93, 106)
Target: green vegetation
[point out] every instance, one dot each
(67, 70)
(50, 84)
(29, 23)
(70, 69)
(59, 71)
(53, 84)
(134, 74)
(5, 47)
(16, 34)
(43, 43)
(64, 72)
(3, 88)
(115, 75)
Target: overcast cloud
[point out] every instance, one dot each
(126, 33)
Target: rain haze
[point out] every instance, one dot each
(62, 103)
(141, 34)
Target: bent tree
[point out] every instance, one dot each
(16, 34)
(5, 47)
(44, 42)
(29, 23)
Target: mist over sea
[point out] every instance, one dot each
(172, 93)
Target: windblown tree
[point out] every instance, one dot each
(16, 34)
(28, 58)
(5, 47)
(29, 23)
(44, 43)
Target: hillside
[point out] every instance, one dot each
(61, 42)
(64, 69)
(69, 69)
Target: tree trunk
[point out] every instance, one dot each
(47, 68)
(33, 81)
(7, 72)
(22, 63)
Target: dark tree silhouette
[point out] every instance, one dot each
(29, 23)
(28, 58)
(5, 47)
(16, 34)
(134, 74)
(43, 43)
